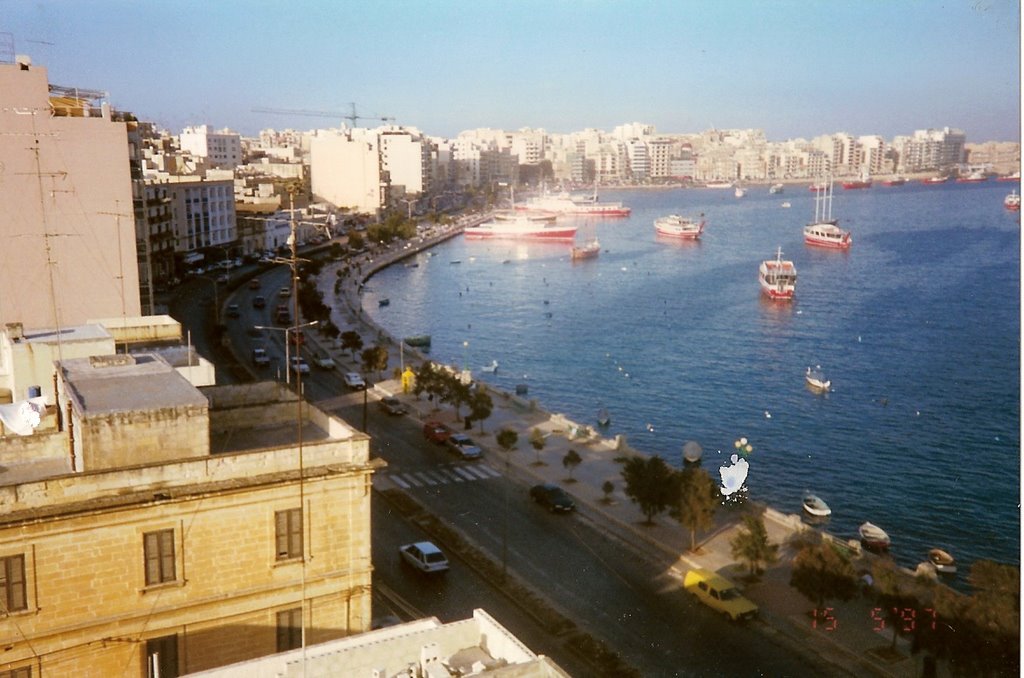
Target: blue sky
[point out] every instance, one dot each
(794, 68)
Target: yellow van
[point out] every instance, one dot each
(719, 593)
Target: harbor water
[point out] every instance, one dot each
(917, 326)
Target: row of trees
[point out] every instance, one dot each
(444, 386)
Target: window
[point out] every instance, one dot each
(159, 553)
(289, 629)
(12, 583)
(24, 672)
(288, 533)
(162, 657)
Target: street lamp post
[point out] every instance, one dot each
(287, 344)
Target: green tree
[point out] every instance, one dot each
(375, 359)
(454, 391)
(570, 461)
(751, 544)
(537, 442)
(506, 439)
(650, 483)
(820, 573)
(607, 487)
(351, 342)
(429, 381)
(696, 501)
(480, 407)
(356, 240)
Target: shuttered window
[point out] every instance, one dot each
(159, 556)
(289, 629)
(288, 532)
(12, 581)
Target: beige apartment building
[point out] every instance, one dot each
(66, 212)
(150, 527)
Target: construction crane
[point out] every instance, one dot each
(351, 117)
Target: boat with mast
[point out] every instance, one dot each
(777, 278)
(824, 231)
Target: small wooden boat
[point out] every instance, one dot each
(588, 250)
(943, 562)
(816, 379)
(873, 537)
(492, 368)
(384, 302)
(418, 340)
(816, 506)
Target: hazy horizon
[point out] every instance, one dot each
(795, 69)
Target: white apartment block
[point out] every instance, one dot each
(659, 157)
(405, 158)
(222, 149)
(639, 168)
(202, 211)
(931, 149)
(66, 208)
(345, 169)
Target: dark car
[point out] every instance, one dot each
(552, 497)
(437, 432)
(259, 302)
(393, 405)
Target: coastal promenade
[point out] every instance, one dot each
(847, 635)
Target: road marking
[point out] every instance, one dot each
(401, 483)
(464, 473)
(424, 478)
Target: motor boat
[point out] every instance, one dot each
(816, 379)
(943, 562)
(873, 537)
(816, 506)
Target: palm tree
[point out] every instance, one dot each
(751, 544)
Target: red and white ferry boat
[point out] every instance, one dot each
(824, 231)
(522, 228)
(778, 277)
(678, 226)
(564, 203)
(934, 180)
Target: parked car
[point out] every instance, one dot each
(234, 311)
(223, 278)
(323, 361)
(424, 556)
(392, 406)
(354, 381)
(254, 284)
(435, 431)
(260, 357)
(299, 365)
(285, 292)
(463, 445)
(259, 302)
(719, 594)
(552, 497)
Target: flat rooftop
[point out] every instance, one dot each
(125, 383)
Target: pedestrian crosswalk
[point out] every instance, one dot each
(441, 475)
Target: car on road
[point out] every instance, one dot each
(324, 361)
(552, 497)
(463, 445)
(223, 278)
(436, 432)
(424, 556)
(285, 292)
(260, 357)
(254, 284)
(259, 301)
(234, 311)
(354, 381)
(392, 405)
(295, 336)
(719, 594)
(299, 365)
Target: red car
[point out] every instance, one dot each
(436, 432)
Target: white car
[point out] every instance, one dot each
(299, 365)
(354, 381)
(324, 362)
(424, 556)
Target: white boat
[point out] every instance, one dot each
(776, 189)
(532, 216)
(718, 184)
(740, 192)
(816, 379)
(777, 277)
(564, 203)
(873, 537)
(1012, 201)
(492, 368)
(603, 418)
(787, 204)
(816, 506)
(942, 561)
(678, 226)
(824, 231)
(521, 228)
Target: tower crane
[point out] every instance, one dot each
(351, 117)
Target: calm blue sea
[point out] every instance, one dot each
(917, 326)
